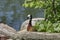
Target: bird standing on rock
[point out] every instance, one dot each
(28, 24)
(29, 27)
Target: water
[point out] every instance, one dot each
(16, 14)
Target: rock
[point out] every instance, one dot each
(9, 39)
(7, 30)
(25, 23)
(25, 35)
(20, 34)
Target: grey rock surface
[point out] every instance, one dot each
(7, 30)
(25, 35)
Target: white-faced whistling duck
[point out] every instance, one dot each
(29, 27)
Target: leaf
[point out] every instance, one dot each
(31, 4)
(36, 6)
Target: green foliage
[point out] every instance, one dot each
(52, 14)
(43, 26)
(34, 4)
(51, 8)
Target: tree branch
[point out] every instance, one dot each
(53, 5)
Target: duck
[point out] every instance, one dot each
(29, 27)
(28, 24)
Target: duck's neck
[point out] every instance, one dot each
(29, 25)
(30, 22)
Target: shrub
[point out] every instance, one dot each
(44, 26)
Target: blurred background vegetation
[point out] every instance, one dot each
(51, 14)
(14, 14)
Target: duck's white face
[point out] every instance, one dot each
(28, 16)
